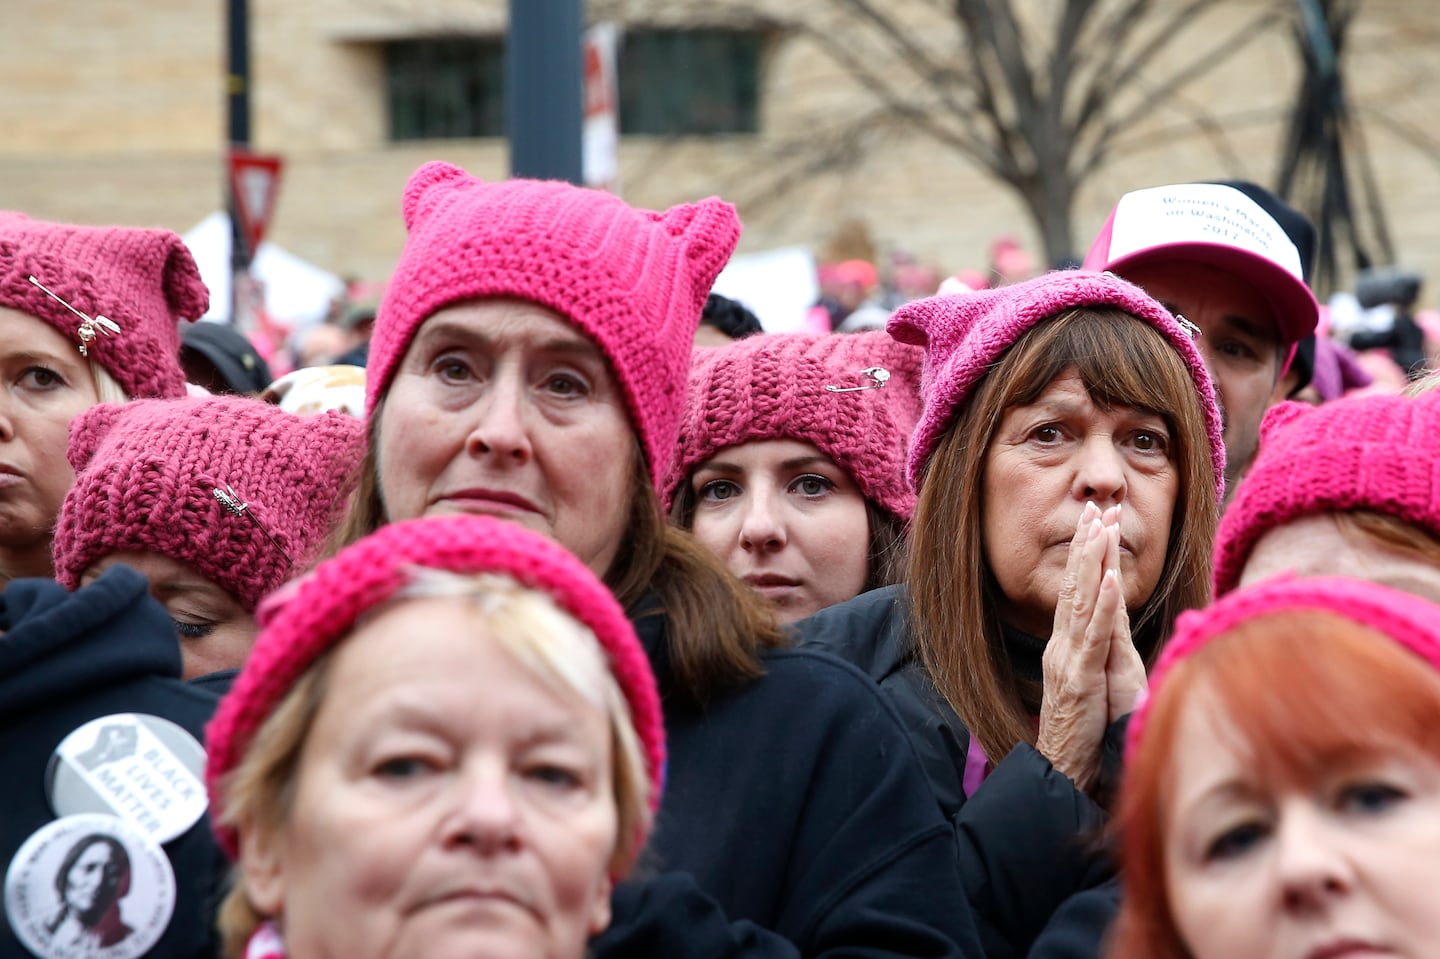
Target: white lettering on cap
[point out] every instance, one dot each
(1199, 213)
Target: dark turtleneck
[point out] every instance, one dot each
(1025, 653)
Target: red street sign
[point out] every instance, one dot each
(254, 181)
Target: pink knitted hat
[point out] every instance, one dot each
(1378, 453)
(144, 281)
(320, 610)
(634, 281)
(1408, 620)
(147, 474)
(965, 334)
(824, 389)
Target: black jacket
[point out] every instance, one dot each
(797, 805)
(1027, 839)
(66, 659)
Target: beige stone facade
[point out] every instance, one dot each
(115, 113)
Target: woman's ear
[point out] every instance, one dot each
(262, 869)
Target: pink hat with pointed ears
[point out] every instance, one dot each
(965, 334)
(632, 280)
(854, 396)
(322, 609)
(147, 474)
(144, 281)
(1410, 621)
(1377, 453)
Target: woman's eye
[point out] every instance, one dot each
(562, 384)
(719, 490)
(557, 776)
(1370, 798)
(1046, 434)
(41, 378)
(811, 485)
(1235, 842)
(1150, 441)
(452, 369)
(193, 630)
(402, 767)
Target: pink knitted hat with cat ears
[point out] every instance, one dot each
(147, 474)
(633, 281)
(854, 396)
(965, 334)
(319, 611)
(1376, 453)
(1408, 620)
(143, 281)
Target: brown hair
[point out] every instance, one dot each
(716, 627)
(1123, 361)
(1393, 532)
(885, 556)
(1348, 692)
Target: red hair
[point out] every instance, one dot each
(1305, 690)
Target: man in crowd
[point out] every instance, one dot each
(1233, 260)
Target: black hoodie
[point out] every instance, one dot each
(65, 659)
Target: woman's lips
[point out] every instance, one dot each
(772, 586)
(9, 476)
(1345, 949)
(490, 501)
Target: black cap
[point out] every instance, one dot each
(241, 368)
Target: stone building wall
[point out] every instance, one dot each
(115, 113)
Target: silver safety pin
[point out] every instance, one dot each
(879, 376)
(232, 502)
(90, 326)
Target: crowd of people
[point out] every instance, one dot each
(560, 611)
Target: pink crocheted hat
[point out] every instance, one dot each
(318, 611)
(144, 281)
(147, 473)
(634, 281)
(1405, 618)
(964, 334)
(1378, 453)
(828, 390)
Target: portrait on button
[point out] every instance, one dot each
(92, 879)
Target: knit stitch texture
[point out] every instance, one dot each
(1377, 453)
(1406, 619)
(320, 610)
(965, 334)
(773, 387)
(147, 471)
(632, 280)
(145, 281)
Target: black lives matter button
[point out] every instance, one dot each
(89, 887)
(142, 768)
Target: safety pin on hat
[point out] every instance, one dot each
(91, 325)
(879, 376)
(1188, 326)
(232, 502)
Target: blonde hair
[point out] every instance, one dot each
(554, 647)
(107, 388)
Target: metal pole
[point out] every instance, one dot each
(237, 89)
(544, 89)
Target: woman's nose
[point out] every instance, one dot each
(761, 528)
(1099, 472)
(1311, 866)
(501, 427)
(484, 813)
